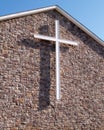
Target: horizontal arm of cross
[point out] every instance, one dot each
(47, 38)
(54, 39)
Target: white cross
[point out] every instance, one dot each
(58, 41)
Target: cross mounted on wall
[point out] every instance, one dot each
(58, 41)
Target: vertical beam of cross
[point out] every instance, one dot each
(57, 61)
(58, 41)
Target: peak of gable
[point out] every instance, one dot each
(62, 12)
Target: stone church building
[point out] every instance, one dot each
(28, 73)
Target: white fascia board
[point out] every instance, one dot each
(82, 27)
(61, 11)
(27, 13)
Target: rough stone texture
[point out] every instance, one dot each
(27, 77)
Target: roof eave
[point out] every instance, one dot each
(21, 14)
(61, 11)
(65, 14)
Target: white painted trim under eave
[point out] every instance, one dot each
(16, 15)
(61, 11)
(65, 14)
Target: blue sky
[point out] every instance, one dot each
(87, 12)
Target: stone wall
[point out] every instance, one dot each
(27, 77)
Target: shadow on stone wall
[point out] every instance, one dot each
(87, 40)
(45, 49)
(45, 80)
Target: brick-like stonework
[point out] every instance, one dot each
(27, 77)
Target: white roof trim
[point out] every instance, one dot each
(61, 11)
(65, 14)
(27, 13)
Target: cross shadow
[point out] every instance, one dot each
(45, 48)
